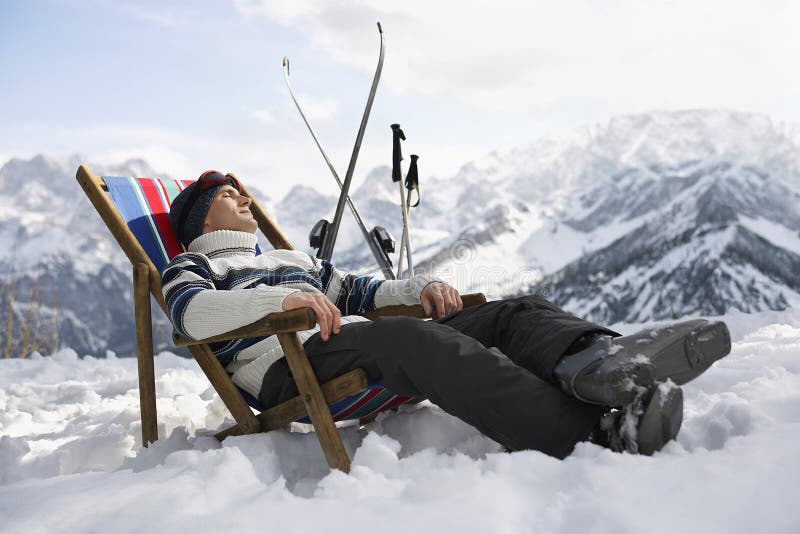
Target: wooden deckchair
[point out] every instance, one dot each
(347, 396)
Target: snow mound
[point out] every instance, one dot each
(70, 443)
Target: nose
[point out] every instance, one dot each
(244, 200)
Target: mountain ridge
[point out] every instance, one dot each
(644, 217)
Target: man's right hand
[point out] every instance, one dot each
(328, 315)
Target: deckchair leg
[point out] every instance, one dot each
(144, 352)
(226, 389)
(318, 411)
(279, 416)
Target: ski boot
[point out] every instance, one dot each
(605, 370)
(681, 351)
(645, 425)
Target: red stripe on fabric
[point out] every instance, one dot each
(391, 403)
(159, 212)
(173, 247)
(365, 399)
(380, 407)
(397, 402)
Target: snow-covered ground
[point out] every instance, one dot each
(71, 461)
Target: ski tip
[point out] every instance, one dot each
(379, 28)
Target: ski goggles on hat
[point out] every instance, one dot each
(211, 179)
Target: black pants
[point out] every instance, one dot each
(512, 399)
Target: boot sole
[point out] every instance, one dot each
(661, 420)
(625, 382)
(693, 352)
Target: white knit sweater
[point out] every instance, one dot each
(221, 284)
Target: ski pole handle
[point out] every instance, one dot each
(397, 155)
(412, 180)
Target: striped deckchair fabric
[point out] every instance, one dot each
(364, 405)
(372, 401)
(144, 205)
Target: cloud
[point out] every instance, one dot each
(264, 116)
(511, 55)
(172, 162)
(275, 166)
(315, 109)
(164, 18)
(323, 109)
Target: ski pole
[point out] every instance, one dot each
(412, 184)
(373, 238)
(326, 251)
(397, 173)
(397, 176)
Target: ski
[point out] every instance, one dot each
(379, 240)
(329, 241)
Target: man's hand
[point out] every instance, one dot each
(328, 315)
(441, 297)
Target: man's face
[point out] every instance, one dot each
(230, 210)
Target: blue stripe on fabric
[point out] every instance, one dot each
(325, 274)
(226, 350)
(362, 295)
(159, 255)
(189, 262)
(341, 406)
(383, 399)
(128, 201)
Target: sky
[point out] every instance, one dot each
(190, 86)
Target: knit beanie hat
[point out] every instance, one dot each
(192, 206)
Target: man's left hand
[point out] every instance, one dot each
(441, 298)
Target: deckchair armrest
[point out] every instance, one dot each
(274, 323)
(417, 311)
(304, 319)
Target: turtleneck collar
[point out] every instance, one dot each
(225, 243)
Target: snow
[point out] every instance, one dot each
(777, 234)
(71, 459)
(552, 245)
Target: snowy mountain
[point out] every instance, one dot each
(643, 218)
(707, 236)
(68, 273)
(646, 217)
(71, 281)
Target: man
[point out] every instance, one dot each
(522, 371)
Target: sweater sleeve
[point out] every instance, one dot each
(198, 310)
(407, 292)
(358, 294)
(350, 293)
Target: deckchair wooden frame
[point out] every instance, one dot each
(313, 399)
